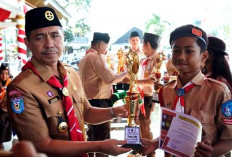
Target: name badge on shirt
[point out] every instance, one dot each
(53, 100)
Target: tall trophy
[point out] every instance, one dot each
(132, 131)
(160, 57)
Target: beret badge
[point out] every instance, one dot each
(49, 15)
(196, 32)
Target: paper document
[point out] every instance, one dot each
(179, 133)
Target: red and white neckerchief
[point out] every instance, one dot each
(144, 66)
(142, 98)
(179, 101)
(144, 63)
(73, 124)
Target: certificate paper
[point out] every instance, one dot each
(179, 133)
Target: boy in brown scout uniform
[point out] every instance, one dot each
(97, 80)
(205, 99)
(46, 100)
(146, 82)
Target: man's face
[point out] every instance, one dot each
(4, 75)
(134, 42)
(186, 55)
(46, 44)
(103, 47)
(147, 49)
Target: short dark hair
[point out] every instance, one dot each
(153, 39)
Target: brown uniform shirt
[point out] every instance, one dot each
(43, 103)
(96, 77)
(206, 102)
(147, 71)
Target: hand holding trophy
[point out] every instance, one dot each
(132, 132)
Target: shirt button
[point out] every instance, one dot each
(59, 112)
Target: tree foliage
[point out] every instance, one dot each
(81, 27)
(68, 36)
(79, 4)
(156, 25)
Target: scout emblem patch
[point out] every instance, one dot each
(227, 109)
(17, 102)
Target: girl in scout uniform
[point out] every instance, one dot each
(205, 99)
(216, 66)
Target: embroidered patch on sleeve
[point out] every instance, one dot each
(17, 105)
(17, 102)
(227, 109)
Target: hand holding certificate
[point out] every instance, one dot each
(179, 133)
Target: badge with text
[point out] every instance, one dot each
(53, 100)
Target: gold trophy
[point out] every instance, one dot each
(121, 61)
(160, 57)
(132, 132)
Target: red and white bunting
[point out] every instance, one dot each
(1, 49)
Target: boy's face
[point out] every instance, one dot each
(186, 55)
(146, 49)
(134, 41)
(4, 75)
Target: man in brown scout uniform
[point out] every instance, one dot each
(205, 99)
(97, 80)
(146, 81)
(46, 100)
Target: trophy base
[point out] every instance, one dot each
(132, 146)
(132, 135)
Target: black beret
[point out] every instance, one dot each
(134, 34)
(153, 38)
(4, 66)
(189, 31)
(41, 17)
(97, 36)
(216, 45)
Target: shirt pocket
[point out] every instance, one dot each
(53, 111)
(203, 116)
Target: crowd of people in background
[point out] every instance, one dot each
(49, 102)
